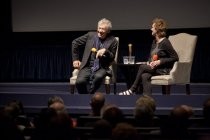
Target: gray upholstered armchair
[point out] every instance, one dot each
(107, 80)
(184, 44)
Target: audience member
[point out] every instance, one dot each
(205, 125)
(8, 127)
(102, 129)
(61, 127)
(15, 110)
(56, 103)
(176, 126)
(53, 125)
(206, 112)
(148, 100)
(124, 131)
(144, 111)
(112, 114)
(97, 102)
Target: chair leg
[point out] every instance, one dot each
(107, 88)
(72, 87)
(115, 88)
(188, 89)
(166, 89)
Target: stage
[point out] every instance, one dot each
(34, 96)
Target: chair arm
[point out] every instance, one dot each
(75, 72)
(181, 72)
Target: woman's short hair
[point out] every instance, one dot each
(160, 26)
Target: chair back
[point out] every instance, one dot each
(113, 67)
(184, 44)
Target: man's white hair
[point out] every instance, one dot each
(107, 22)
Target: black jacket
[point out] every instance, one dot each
(87, 41)
(166, 54)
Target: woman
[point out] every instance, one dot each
(161, 61)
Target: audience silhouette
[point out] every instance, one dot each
(176, 126)
(97, 102)
(206, 112)
(8, 127)
(56, 103)
(124, 131)
(112, 114)
(54, 121)
(102, 129)
(144, 111)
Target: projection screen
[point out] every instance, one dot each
(82, 15)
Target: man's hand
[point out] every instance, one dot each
(100, 52)
(76, 64)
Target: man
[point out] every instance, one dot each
(99, 52)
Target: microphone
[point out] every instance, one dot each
(94, 50)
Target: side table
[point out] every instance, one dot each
(129, 71)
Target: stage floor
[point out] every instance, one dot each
(34, 96)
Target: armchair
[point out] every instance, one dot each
(184, 44)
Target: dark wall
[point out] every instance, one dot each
(5, 24)
(46, 56)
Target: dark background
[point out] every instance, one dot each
(46, 55)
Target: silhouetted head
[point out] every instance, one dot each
(97, 102)
(124, 131)
(56, 103)
(113, 114)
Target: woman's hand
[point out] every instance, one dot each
(154, 64)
